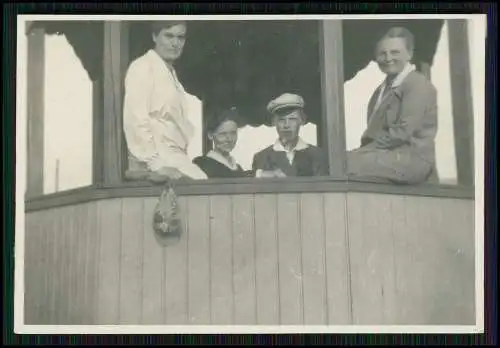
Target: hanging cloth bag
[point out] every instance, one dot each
(167, 223)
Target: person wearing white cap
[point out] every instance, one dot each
(157, 118)
(289, 155)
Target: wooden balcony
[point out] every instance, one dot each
(297, 258)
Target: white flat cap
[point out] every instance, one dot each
(286, 100)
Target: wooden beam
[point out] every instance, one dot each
(243, 186)
(206, 142)
(35, 111)
(461, 94)
(97, 132)
(332, 83)
(116, 60)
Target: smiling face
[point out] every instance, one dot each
(225, 137)
(169, 42)
(392, 54)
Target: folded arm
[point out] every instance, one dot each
(413, 110)
(262, 168)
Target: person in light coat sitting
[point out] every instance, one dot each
(398, 145)
(156, 111)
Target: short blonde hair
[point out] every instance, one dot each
(402, 33)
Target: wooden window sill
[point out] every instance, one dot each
(241, 186)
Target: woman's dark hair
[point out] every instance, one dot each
(219, 116)
(402, 33)
(157, 26)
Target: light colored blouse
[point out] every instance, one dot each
(229, 162)
(156, 116)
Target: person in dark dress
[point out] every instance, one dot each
(223, 132)
(289, 155)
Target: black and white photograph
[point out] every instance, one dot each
(250, 173)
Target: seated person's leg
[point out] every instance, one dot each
(362, 166)
(387, 166)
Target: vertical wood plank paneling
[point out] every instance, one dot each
(338, 280)
(97, 264)
(131, 261)
(79, 269)
(244, 260)
(199, 260)
(73, 253)
(41, 250)
(399, 226)
(411, 261)
(313, 259)
(290, 265)
(221, 246)
(371, 258)
(109, 262)
(78, 263)
(29, 264)
(152, 281)
(68, 261)
(38, 276)
(68, 270)
(78, 309)
(266, 235)
(55, 263)
(49, 272)
(175, 296)
(59, 254)
(89, 230)
(30, 235)
(63, 297)
(464, 260)
(452, 253)
(90, 267)
(416, 251)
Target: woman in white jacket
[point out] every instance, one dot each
(156, 112)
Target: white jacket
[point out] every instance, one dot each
(156, 116)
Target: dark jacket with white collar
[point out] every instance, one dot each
(308, 160)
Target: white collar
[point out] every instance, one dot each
(155, 56)
(231, 163)
(398, 80)
(158, 60)
(168, 69)
(301, 145)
